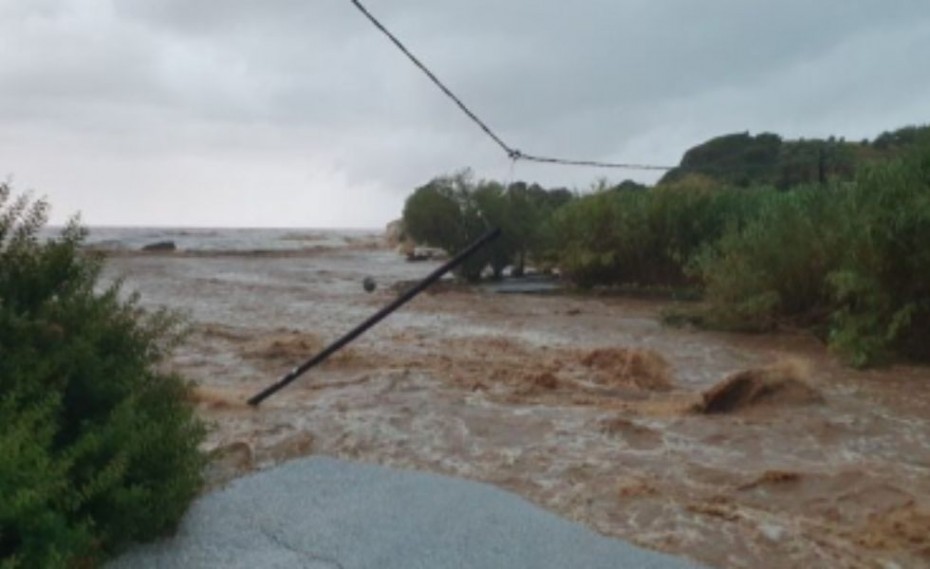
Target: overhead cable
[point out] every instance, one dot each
(512, 152)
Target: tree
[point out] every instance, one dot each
(445, 213)
(99, 445)
(453, 211)
(432, 214)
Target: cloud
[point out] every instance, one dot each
(286, 112)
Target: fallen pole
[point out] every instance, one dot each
(374, 319)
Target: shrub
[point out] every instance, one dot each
(99, 446)
(849, 260)
(645, 237)
(882, 288)
(773, 267)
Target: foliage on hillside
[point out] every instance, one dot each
(98, 446)
(744, 160)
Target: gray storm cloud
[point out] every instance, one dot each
(299, 113)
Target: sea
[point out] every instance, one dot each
(223, 240)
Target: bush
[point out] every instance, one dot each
(882, 287)
(99, 447)
(645, 237)
(849, 260)
(774, 267)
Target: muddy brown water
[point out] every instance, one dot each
(582, 405)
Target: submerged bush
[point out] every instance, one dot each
(98, 445)
(850, 261)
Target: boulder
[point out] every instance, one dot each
(161, 246)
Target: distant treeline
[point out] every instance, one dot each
(765, 242)
(744, 160)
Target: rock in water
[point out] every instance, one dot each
(369, 284)
(161, 246)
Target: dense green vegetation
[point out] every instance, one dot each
(98, 446)
(744, 160)
(451, 212)
(826, 235)
(643, 238)
(849, 260)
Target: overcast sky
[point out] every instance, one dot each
(299, 113)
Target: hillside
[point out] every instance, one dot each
(744, 160)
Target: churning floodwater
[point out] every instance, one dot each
(586, 405)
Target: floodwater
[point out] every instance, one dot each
(583, 405)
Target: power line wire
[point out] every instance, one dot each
(594, 163)
(512, 152)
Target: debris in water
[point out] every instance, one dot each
(781, 384)
(215, 398)
(546, 380)
(535, 384)
(772, 477)
(635, 487)
(906, 528)
(635, 435)
(623, 367)
(286, 345)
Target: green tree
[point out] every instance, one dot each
(99, 446)
(447, 213)
(493, 208)
(433, 215)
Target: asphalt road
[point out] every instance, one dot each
(321, 513)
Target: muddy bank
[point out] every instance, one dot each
(587, 407)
